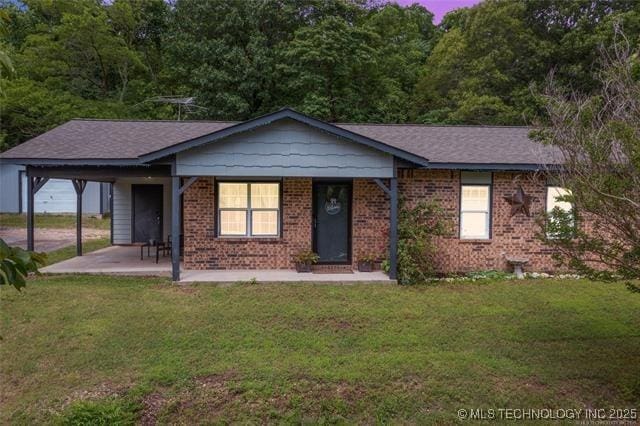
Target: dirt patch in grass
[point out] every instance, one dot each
(334, 324)
(152, 405)
(103, 390)
(215, 380)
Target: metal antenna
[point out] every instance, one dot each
(188, 103)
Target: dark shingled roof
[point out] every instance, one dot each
(111, 139)
(461, 144)
(127, 140)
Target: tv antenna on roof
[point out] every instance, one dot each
(186, 103)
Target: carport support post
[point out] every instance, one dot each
(393, 229)
(79, 186)
(175, 227)
(30, 199)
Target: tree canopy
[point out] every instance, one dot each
(340, 60)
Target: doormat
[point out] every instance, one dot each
(333, 271)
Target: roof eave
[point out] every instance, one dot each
(72, 161)
(492, 166)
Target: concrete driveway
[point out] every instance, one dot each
(49, 239)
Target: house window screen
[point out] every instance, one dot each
(475, 206)
(554, 195)
(248, 209)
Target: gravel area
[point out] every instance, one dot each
(49, 239)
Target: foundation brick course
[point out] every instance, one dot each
(511, 236)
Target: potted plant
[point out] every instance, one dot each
(304, 260)
(366, 262)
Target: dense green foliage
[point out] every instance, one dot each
(599, 137)
(418, 227)
(16, 263)
(356, 60)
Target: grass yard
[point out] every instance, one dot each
(57, 221)
(139, 349)
(68, 252)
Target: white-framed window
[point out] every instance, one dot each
(554, 195)
(248, 209)
(475, 206)
(554, 200)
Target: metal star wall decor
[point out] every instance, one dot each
(520, 202)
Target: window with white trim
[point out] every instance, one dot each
(554, 200)
(248, 209)
(554, 195)
(475, 205)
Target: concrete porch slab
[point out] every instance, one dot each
(125, 260)
(116, 260)
(283, 275)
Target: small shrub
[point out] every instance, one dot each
(306, 257)
(417, 227)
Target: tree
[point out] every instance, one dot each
(324, 65)
(16, 264)
(486, 57)
(598, 137)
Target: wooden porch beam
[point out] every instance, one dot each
(98, 173)
(187, 184)
(34, 183)
(393, 229)
(175, 228)
(382, 186)
(79, 185)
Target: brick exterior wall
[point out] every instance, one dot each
(203, 250)
(511, 236)
(370, 221)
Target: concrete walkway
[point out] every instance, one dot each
(282, 275)
(116, 260)
(125, 260)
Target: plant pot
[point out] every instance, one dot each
(365, 266)
(303, 267)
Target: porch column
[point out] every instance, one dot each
(175, 227)
(30, 199)
(393, 229)
(79, 185)
(33, 185)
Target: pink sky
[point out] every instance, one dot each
(439, 7)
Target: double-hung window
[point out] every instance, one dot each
(555, 195)
(475, 205)
(248, 209)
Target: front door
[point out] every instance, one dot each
(332, 221)
(147, 213)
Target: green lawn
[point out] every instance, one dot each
(68, 252)
(12, 220)
(121, 348)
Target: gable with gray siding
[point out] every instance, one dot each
(285, 148)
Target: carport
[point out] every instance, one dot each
(38, 175)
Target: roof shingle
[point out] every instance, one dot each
(127, 140)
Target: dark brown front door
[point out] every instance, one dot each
(332, 221)
(147, 213)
